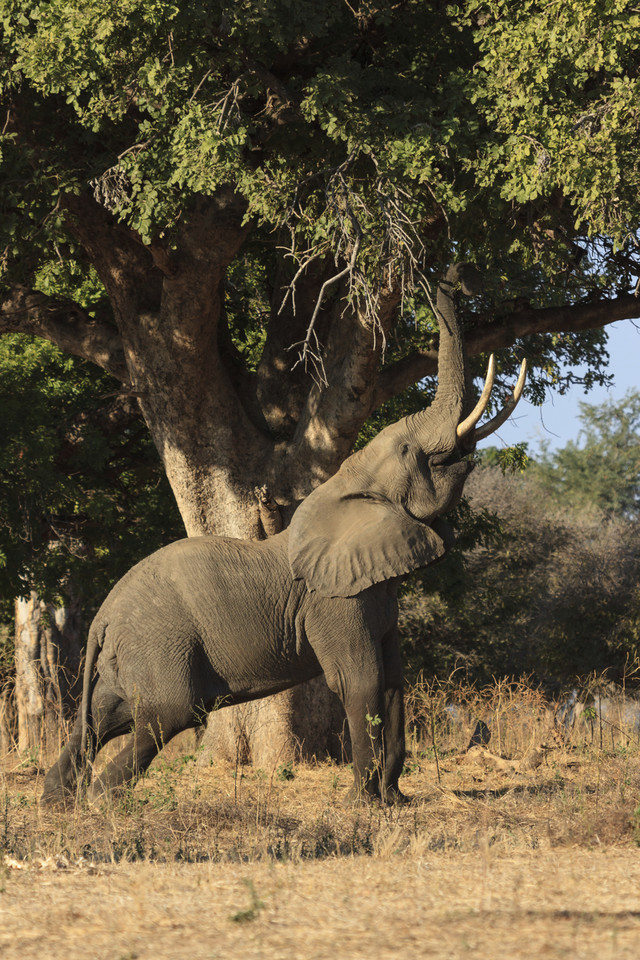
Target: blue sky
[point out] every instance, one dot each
(557, 419)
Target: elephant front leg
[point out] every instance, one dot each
(376, 725)
(394, 746)
(365, 712)
(350, 654)
(375, 712)
(394, 737)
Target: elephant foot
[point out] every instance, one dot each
(58, 791)
(396, 797)
(57, 797)
(361, 796)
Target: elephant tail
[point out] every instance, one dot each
(94, 643)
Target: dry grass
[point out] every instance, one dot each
(527, 847)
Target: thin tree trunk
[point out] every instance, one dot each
(48, 652)
(8, 726)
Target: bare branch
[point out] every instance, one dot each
(489, 335)
(228, 105)
(398, 251)
(311, 354)
(334, 413)
(67, 325)
(290, 291)
(281, 392)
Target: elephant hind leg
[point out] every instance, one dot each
(146, 741)
(62, 779)
(110, 716)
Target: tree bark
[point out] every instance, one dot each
(48, 653)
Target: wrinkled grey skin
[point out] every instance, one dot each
(208, 621)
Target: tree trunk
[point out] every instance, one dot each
(48, 653)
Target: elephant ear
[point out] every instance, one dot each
(342, 544)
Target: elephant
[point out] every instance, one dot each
(210, 621)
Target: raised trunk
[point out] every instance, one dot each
(48, 652)
(452, 368)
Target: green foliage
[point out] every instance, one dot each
(601, 469)
(513, 459)
(82, 494)
(285, 771)
(559, 83)
(501, 131)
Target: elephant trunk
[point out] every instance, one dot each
(449, 403)
(452, 367)
(455, 386)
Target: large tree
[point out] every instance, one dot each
(238, 211)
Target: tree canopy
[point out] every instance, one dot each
(332, 151)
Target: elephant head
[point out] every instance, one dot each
(378, 517)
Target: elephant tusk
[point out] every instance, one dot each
(469, 422)
(492, 425)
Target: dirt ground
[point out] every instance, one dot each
(526, 850)
(548, 904)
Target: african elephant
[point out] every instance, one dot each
(210, 621)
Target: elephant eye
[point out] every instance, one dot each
(404, 449)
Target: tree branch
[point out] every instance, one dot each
(308, 353)
(67, 325)
(489, 335)
(123, 264)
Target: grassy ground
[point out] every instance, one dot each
(524, 847)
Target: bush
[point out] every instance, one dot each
(551, 593)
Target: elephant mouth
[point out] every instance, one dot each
(454, 468)
(450, 474)
(451, 461)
